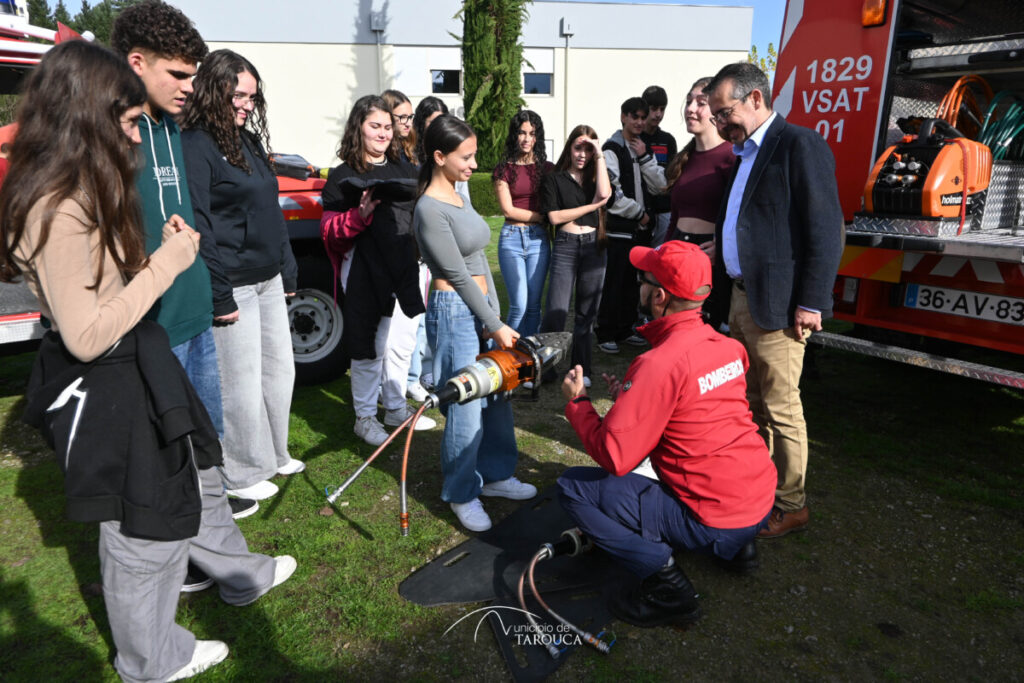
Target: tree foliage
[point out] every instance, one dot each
(98, 18)
(492, 59)
(766, 63)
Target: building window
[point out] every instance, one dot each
(445, 81)
(537, 84)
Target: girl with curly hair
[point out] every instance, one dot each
(523, 249)
(234, 196)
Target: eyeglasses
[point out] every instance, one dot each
(241, 99)
(403, 118)
(722, 115)
(644, 281)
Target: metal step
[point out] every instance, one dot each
(985, 373)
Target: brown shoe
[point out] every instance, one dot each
(782, 523)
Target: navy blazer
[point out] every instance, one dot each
(789, 232)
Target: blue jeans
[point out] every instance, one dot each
(198, 356)
(637, 520)
(523, 254)
(479, 442)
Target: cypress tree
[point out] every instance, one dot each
(492, 59)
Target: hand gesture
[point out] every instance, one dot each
(367, 203)
(572, 385)
(614, 385)
(505, 337)
(638, 147)
(709, 249)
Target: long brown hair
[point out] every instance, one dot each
(589, 172)
(210, 107)
(675, 167)
(351, 149)
(408, 143)
(70, 145)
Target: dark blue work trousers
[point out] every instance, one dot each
(639, 522)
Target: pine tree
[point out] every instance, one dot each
(492, 59)
(61, 14)
(39, 14)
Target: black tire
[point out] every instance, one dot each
(316, 324)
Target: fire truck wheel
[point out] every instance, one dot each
(316, 324)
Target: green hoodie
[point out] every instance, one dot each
(186, 309)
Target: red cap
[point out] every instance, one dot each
(681, 268)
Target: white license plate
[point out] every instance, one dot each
(1000, 309)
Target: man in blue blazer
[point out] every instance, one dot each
(779, 237)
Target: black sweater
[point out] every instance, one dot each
(384, 265)
(238, 214)
(129, 434)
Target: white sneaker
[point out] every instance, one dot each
(206, 654)
(416, 392)
(510, 488)
(284, 567)
(586, 382)
(293, 466)
(472, 515)
(636, 340)
(393, 418)
(258, 491)
(609, 347)
(370, 430)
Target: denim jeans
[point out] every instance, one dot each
(576, 260)
(523, 255)
(479, 443)
(257, 374)
(198, 356)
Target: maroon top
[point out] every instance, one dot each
(523, 183)
(699, 191)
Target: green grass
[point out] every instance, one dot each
(918, 521)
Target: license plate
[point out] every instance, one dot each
(1000, 309)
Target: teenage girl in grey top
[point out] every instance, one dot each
(478, 449)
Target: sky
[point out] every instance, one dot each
(768, 15)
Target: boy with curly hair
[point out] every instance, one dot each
(163, 47)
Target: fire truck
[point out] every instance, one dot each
(922, 104)
(315, 318)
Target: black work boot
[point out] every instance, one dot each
(665, 597)
(744, 562)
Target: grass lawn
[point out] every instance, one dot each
(913, 567)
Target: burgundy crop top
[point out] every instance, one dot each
(523, 183)
(699, 191)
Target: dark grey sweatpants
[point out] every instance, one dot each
(142, 581)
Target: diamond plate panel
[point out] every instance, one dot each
(966, 48)
(957, 21)
(918, 227)
(985, 373)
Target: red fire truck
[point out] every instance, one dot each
(935, 236)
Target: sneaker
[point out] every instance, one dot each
(258, 491)
(393, 418)
(636, 340)
(206, 654)
(242, 507)
(284, 567)
(370, 430)
(416, 392)
(195, 580)
(586, 382)
(510, 488)
(609, 347)
(472, 515)
(293, 466)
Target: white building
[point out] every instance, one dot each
(585, 59)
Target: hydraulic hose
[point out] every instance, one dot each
(331, 497)
(588, 637)
(403, 516)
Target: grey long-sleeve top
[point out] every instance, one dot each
(452, 241)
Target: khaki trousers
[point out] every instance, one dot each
(773, 390)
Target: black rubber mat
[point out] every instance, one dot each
(488, 567)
